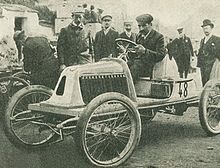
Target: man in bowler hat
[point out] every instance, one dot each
(104, 44)
(184, 52)
(150, 48)
(209, 50)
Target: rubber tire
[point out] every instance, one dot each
(202, 108)
(82, 122)
(6, 120)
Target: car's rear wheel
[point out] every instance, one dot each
(22, 126)
(209, 108)
(108, 130)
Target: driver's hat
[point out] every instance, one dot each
(144, 18)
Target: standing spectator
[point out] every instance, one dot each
(128, 34)
(18, 45)
(93, 15)
(209, 52)
(86, 15)
(150, 49)
(39, 59)
(72, 45)
(104, 45)
(171, 49)
(184, 52)
(100, 11)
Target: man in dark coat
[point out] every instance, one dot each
(128, 34)
(39, 60)
(184, 52)
(72, 44)
(104, 44)
(209, 50)
(150, 48)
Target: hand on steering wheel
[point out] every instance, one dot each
(129, 47)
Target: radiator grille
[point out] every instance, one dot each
(94, 85)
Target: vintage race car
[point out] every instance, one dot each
(101, 107)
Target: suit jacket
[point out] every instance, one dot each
(155, 50)
(183, 46)
(132, 38)
(208, 51)
(104, 45)
(70, 45)
(171, 50)
(183, 52)
(184, 49)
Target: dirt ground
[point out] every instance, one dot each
(176, 141)
(167, 142)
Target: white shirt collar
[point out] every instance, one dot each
(75, 25)
(128, 33)
(182, 37)
(207, 37)
(145, 36)
(106, 30)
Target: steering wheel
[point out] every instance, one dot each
(127, 48)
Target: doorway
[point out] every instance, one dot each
(19, 23)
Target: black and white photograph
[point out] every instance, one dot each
(110, 83)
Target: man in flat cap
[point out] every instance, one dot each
(128, 34)
(150, 48)
(209, 51)
(104, 44)
(184, 52)
(72, 44)
(39, 60)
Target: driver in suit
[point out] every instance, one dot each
(150, 48)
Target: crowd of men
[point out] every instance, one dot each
(73, 48)
(208, 56)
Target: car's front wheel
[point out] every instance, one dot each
(108, 130)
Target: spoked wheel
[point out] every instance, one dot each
(25, 128)
(8, 87)
(209, 108)
(108, 130)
